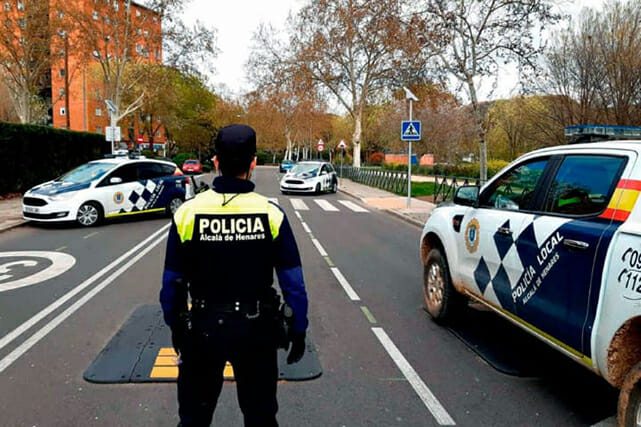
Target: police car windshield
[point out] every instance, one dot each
(309, 169)
(87, 172)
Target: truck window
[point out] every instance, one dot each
(584, 184)
(514, 190)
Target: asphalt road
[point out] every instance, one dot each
(385, 362)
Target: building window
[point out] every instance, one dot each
(95, 15)
(98, 112)
(62, 72)
(138, 14)
(63, 111)
(98, 129)
(7, 6)
(20, 5)
(22, 23)
(61, 92)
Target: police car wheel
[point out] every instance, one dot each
(173, 205)
(334, 187)
(318, 188)
(441, 299)
(89, 214)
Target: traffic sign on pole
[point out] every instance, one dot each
(410, 130)
(320, 145)
(342, 145)
(112, 133)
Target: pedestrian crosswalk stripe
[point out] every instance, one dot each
(326, 206)
(299, 205)
(353, 206)
(273, 200)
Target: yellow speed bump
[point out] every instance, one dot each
(166, 366)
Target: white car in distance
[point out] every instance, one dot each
(310, 177)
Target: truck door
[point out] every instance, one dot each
(488, 244)
(563, 248)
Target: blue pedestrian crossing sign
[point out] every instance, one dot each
(410, 130)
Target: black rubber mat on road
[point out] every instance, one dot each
(504, 346)
(141, 352)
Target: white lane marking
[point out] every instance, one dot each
(320, 248)
(90, 235)
(49, 309)
(299, 205)
(61, 248)
(353, 206)
(326, 206)
(36, 337)
(428, 398)
(273, 199)
(60, 262)
(298, 215)
(306, 228)
(345, 284)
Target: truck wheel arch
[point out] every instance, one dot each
(624, 352)
(431, 241)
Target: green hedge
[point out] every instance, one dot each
(468, 170)
(32, 154)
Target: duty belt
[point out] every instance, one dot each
(250, 310)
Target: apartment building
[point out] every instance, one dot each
(88, 41)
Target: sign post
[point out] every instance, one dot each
(342, 147)
(320, 146)
(410, 131)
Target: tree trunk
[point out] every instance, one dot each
(356, 140)
(480, 129)
(290, 145)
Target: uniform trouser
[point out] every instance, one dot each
(249, 346)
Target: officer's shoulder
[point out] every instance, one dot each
(272, 206)
(191, 204)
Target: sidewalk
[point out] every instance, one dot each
(11, 213)
(397, 205)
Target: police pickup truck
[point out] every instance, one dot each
(553, 244)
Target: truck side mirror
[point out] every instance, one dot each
(466, 195)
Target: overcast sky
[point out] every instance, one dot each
(236, 21)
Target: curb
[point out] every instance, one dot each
(12, 225)
(405, 218)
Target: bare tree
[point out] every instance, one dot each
(119, 36)
(475, 36)
(25, 56)
(357, 51)
(286, 87)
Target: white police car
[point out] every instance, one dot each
(108, 188)
(553, 244)
(310, 177)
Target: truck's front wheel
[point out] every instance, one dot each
(441, 299)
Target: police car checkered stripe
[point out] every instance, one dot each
(505, 259)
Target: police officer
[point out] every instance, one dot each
(222, 249)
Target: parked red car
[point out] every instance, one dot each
(192, 166)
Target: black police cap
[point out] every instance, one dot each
(237, 141)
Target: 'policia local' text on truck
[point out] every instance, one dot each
(552, 243)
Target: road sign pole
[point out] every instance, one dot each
(409, 167)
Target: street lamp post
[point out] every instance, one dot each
(410, 97)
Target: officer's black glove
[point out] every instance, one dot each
(298, 347)
(179, 333)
